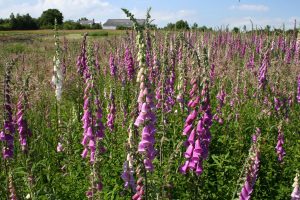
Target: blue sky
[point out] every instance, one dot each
(212, 13)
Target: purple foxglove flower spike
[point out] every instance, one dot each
(112, 66)
(221, 98)
(298, 89)
(139, 190)
(297, 50)
(199, 137)
(253, 168)
(82, 58)
(129, 63)
(23, 129)
(96, 52)
(262, 77)
(279, 147)
(112, 112)
(7, 134)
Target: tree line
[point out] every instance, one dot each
(47, 18)
(45, 21)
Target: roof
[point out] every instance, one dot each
(122, 22)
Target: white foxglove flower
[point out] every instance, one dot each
(296, 192)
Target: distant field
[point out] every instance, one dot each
(20, 35)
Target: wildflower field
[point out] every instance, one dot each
(150, 115)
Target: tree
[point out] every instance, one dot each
(195, 26)
(182, 25)
(203, 28)
(22, 22)
(82, 19)
(268, 28)
(170, 26)
(236, 30)
(48, 17)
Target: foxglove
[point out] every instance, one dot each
(7, 134)
(298, 89)
(296, 191)
(129, 64)
(112, 112)
(279, 147)
(252, 168)
(23, 129)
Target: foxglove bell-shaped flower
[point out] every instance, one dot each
(198, 137)
(139, 190)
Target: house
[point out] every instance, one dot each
(114, 23)
(86, 22)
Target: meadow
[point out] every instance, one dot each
(149, 114)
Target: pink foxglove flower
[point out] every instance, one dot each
(23, 129)
(197, 127)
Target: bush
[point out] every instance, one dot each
(5, 27)
(123, 28)
(71, 25)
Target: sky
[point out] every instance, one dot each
(211, 13)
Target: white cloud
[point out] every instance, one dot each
(260, 22)
(161, 18)
(250, 7)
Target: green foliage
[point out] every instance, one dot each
(170, 26)
(236, 30)
(71, 25)
(182, 25)
(16, 48)
(5, 26)
(179, 25)
(123, 28)
(25, 22)
(48, 17)
(195, 26)
(99, 33)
